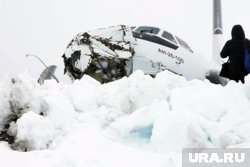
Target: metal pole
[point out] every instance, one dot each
(217, 17)
(217, 31)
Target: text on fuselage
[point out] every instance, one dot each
(178, 59)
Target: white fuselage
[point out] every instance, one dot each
(145, 48)
(152, 58)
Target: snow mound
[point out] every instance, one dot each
(131, 119)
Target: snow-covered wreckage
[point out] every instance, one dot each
(104, 54)
(108, 54)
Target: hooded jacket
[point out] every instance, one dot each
(234, 49)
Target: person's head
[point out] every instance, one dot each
(237, 32)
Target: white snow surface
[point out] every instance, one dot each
(137, 121)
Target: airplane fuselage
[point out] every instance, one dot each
(111, 53)
(157, 50)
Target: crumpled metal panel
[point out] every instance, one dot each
(104, 54)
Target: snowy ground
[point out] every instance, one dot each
(136, 121)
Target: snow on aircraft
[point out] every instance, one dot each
(108, 54)
(111, 53)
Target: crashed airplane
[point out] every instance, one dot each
(111, 53)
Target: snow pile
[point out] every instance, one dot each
(135, 121)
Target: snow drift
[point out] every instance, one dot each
(135, 121)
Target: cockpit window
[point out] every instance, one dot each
(169, 37)
(184, 44)
(144, 29)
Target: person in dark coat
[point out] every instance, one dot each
(234, 49)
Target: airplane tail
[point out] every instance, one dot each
(217, 31)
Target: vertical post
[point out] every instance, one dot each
(217, 31)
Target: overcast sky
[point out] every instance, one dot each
(45, 27)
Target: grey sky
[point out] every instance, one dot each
(45, 27)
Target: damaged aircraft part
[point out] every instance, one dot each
(47, 74)
(4, 136)
(104, 54)
(214, 77)
(110, 53)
